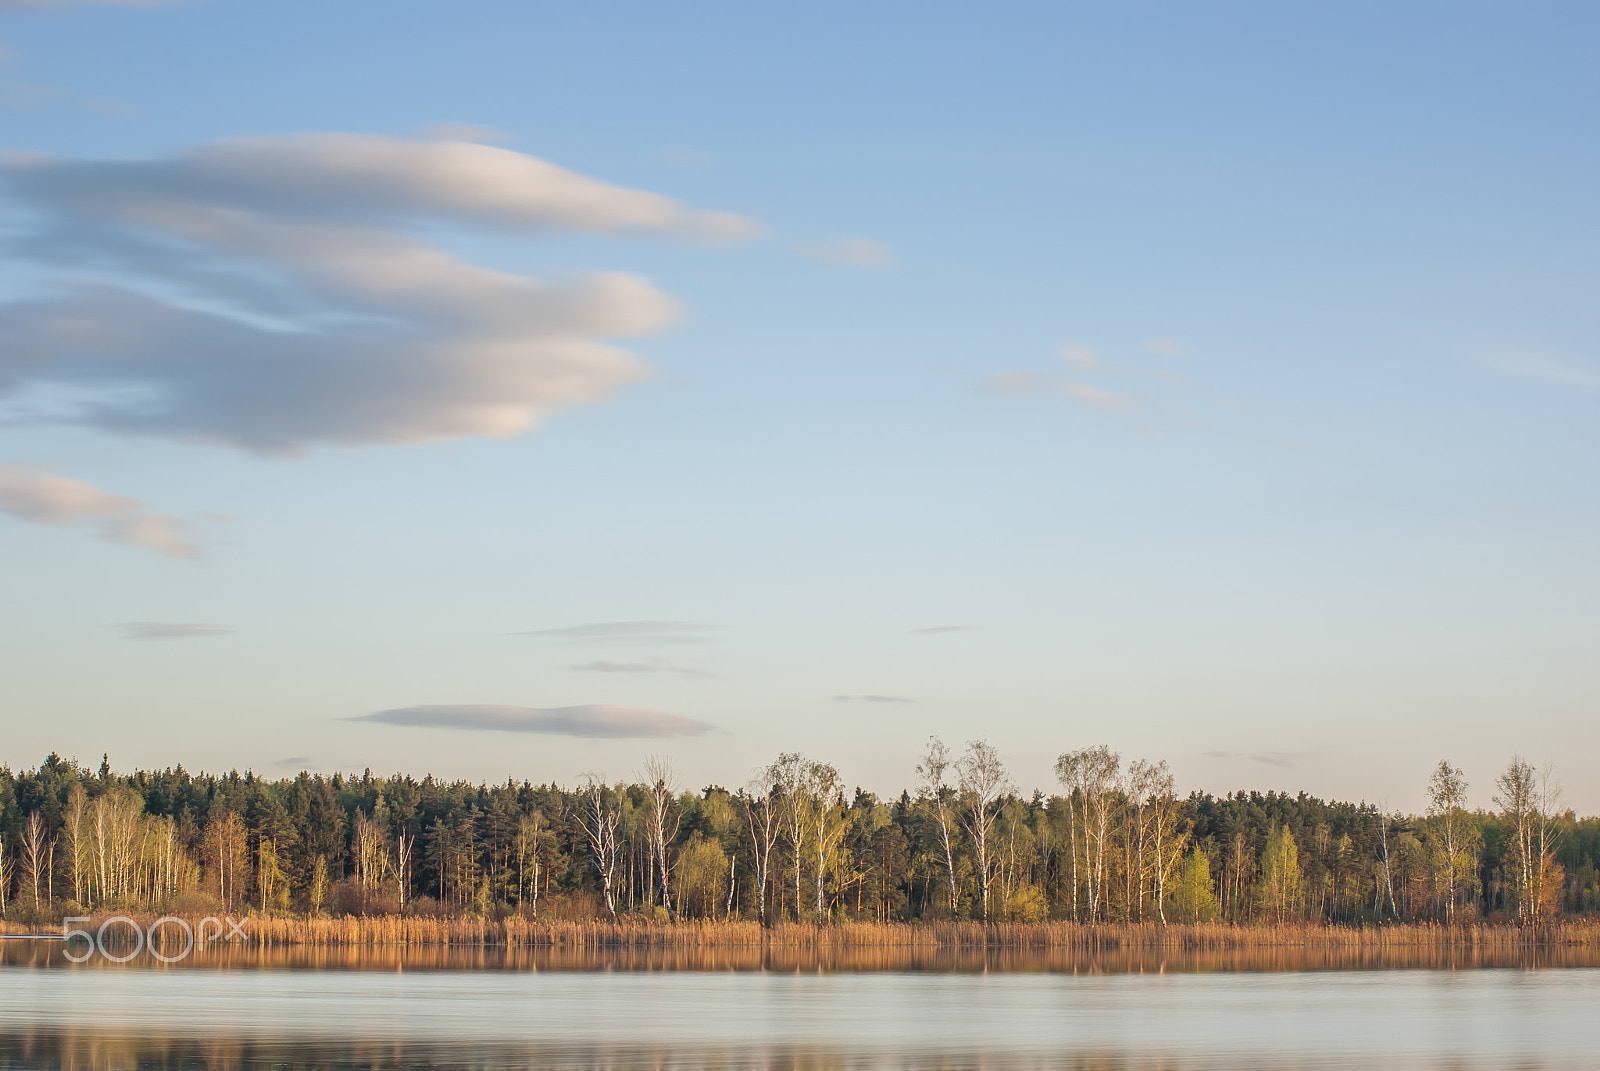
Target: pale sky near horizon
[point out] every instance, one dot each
(1218, 382)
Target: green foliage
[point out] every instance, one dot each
(702, 877)
(1279, 891)
(369, 843)
(1193, 897)
(1026, 904)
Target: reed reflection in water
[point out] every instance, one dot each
(784, 959)
(236, 1017)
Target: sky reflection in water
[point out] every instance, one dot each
(426, 1014)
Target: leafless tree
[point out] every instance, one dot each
(405, 846)
(1548, 800)
(661, 784)
(796, 805)
(761, 812)
(72, 825)
(1069, 772)
(117, 845)
(372, 852)
(1140, 786)
(36, 849)
(1515, 792)
(1167, 842)
(1388, 874)
(599, 815)
(930, 772)
(983, 781)
(529, 857)
(1095, 773)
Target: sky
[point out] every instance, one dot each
(519, 390)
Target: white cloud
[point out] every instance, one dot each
(171, 630)
(1165, 347)
(1021, 383)
(1082, 356)
(871, 699)
(856, 252)
(607, 666)
(33, 494)
(1100, 399)
(622, 723)
(164, 535)
(265, 293)
(629, 632)
(1039, 383)
(1282, 759)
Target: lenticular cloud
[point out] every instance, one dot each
(273, 293)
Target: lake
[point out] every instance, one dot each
(457, 1009)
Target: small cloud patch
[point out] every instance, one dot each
(33, 494)
(604, 666)
(171, 630)
(597, 721)
(856, 252)
(1283, 760)
(628, 632)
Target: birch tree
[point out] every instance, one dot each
(829, 822)
(788, 777)
(1167, 841)
(405, 848)
(1547, 873)
(371, 852)
(930, 774)
(531, 838)
(36, 850)
(761, 814)
(661, 785)
(72, 827)
(1140, 787)
(1447, 799)
(598, 814)
(1095, 773)
(1069, 772)
(982, 780)
(1514, 794)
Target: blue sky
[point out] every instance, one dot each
(1218, 382)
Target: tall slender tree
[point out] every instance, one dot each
(1447, 800)
(983, 781)
(930, 774)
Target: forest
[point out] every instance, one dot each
(1114, 844)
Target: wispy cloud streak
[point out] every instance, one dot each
(36, 495)
(607, 722)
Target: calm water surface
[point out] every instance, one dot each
(292, 1017)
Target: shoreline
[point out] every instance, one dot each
(418, 931)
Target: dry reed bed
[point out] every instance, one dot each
(517, 932)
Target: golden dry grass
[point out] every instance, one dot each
(625, 933)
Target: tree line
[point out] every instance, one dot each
(1115, 843)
